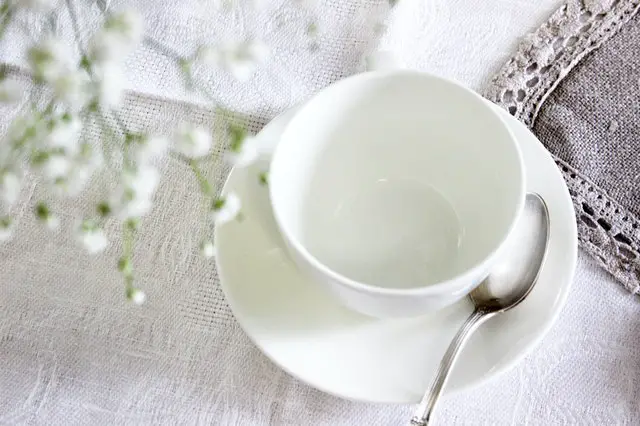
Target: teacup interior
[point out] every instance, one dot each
(397, 180)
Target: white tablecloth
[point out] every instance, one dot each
(102, 363)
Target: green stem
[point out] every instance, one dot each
(5, 16)
(205, 186)
(127, 254)
(158, 46)
(163, 49)
(78, 39)
(206, 189)
(181, 61)
(192, 83)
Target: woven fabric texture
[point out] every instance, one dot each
(73, 352)
(576, 82)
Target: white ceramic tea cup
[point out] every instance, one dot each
(396, 191)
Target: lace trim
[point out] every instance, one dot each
(609, 232)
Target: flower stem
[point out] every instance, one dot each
(89, 68)
(156, 45)
(162, 48)
(5, 16)
(193, 84)
(126, 261)
(205, 186)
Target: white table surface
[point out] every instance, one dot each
(586, 371)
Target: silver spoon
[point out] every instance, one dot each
(508, 284)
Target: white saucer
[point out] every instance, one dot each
(313, 338)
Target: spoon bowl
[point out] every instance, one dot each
(508, 284)
(513, 277)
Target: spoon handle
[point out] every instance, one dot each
(425, 408)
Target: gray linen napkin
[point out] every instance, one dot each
(576, 83)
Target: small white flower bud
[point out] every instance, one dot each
(226, 209)
(6, 228)
(149, 148)
(72, 88)
(137, 296)
(207, 249)
(239, 59)
(91, 237)
(53, 222)
(51, 59)
(110, 85)
(191, 141)
(245, 154)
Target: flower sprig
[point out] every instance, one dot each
(47, 141)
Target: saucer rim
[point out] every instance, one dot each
(532, 343)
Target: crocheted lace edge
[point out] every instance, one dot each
(607, 231)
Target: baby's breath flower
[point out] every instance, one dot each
(137, 296)
(312, 30)
(89, 156)
(239, 59)
(91, 236)
(207, 249)
(105, 47)
(51, 59)
(59, 146)
(83, 166)
(134, 195)
(131, 206)
(245, 153)
(208, 55)
(191, 141)
(64, 132)
(53, 223)
(147, 148)
(121, 32)
(25, 129)
(10, 91)
(49, 219)
(72, 89)
(55, 167)
(225, 209)
(6, 228)
(9, 188)
(143, 181)
(110, 84)
(127, 23)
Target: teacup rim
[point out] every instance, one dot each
(428, 289)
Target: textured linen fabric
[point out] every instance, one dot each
(73, 352)
(573, 82)
(591, 122)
